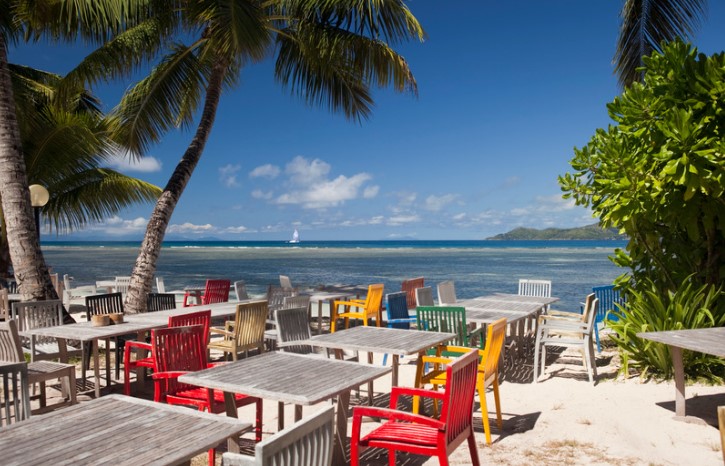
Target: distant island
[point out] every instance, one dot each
(591, 232)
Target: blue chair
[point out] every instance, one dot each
(398, 316)
(609, 298)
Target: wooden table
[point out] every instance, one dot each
(702, 340)
(116, 430)
(290, 378)
(394, 341)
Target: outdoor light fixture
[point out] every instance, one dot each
(39, 196)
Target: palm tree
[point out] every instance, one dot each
(330, 52)
(60, 20)
(65, 142)
(645, 25)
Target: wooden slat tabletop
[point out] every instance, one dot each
(115, 430)
(84, 331)
(288, 377)
(517, 298)
(380, 340)
(703, 340)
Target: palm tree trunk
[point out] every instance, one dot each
(145, 267)
(29, 266)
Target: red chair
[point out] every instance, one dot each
(202, 318)
(179, 350)
(419, 434)
(409, 286)
(215, 291)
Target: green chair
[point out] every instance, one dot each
(451, 319)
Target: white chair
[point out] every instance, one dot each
(122, 285)
(70, 293)
(446, 293)
(424, 296)
(284, 281)
(538, 288)
(160, 287)
(35, 314)
(568, 332)
(307, 442)
(240, 288)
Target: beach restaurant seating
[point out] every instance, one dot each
(215, 291)
(449, 319)
(309, 441)
(424, 296)
(409, 286)
(240, 289)
(15, 396)
(446, 293)
(532, 287)
(160, 302)
(609, 298)
(35, 314)
(202, 318)
(4, 304)
(179, 350)
(245, 333)
(107, 303)
(423, 435)
(489, 358)
(398, 316)
(558, 331)
(367, 308)
(285, 282)
(122, 285)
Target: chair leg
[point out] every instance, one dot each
(473, 450)
(484, 413)
(497, 401)
(72, 385)
(391, 457)
(596, 334)
(258, 420)
(537, 345)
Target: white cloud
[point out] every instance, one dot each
(228, 175)
(265, 171)
(403, 219)
(189, 228)
(259, 194)
(239, 229)
(437, 203)
(116, 226)
(128, 164)
(371, 191)
(459, 217)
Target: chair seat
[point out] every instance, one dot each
(392, 432)
(41, 370)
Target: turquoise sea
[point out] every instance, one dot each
(476, 267)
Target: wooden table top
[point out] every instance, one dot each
(84, 331)
(703, 340)
(487, 309)
(116, 430)
(378, 340)
(288, 377)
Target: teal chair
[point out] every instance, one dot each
(609, 298)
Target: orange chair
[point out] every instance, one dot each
(487, 370)
(419, 434)
(371, 306)
(215, 291)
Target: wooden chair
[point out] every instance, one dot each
(424, 296)
(530, 287)
(398, 316)
(371, 306)
(288, 302)
(122, 285)
(202, 318)
(160, 286)
(419, 434)
(215, 291)
(409, 286)
(4, 304)
(240, 289)
(14, 396)
(567, 332)
(11, 352)
(285, 282)
(160, 302)
(487, 370)
(179, 350)
(293, 325)
(108, 303)
(609, 300)
(307, 442)
(245, 333)
(446, 293)
(35, 314)
(449, 319)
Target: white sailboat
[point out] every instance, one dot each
(295, 237)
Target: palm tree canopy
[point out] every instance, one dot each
(648, 23)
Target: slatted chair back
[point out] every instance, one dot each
(285, 282)
(36, 314)
(305, 443)
(240, 288)
(397, 310)
(15, 394)
(160, 287)
(108, 303)
(160, 302)
(4, 304)
(374, 300)
(446, 293)
(57, 284)
(122, 285)
(276, 295)
(490, 355)
(249, 324)
(449, 319)
(293, 325)
(531, 287)
(424, 296)
(409, 286)
(609, 300)
(177, 349)
(202, 318)
(301, 300)
(216, 291)
(461, 375)
(11, 349)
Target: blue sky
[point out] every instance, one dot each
(506, 90)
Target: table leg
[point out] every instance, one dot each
(319, 317)
(396, 361)
(280, 415)
(231, 409)
(298, 412)
(96, 369)
(140, 353)
(370, 384)
(679, 381)
(108, 362)
(339, 457)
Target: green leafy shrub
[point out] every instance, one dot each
(651, 309)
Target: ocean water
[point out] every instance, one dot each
(476, 267)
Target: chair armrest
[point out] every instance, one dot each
(358, 412)
(348, 303)
(138, 345)
(168, 375)
(572, 315)
(411, 391)
(237, 459)
(544, 318)
(214, 330)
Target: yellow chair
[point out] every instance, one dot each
(487, 371)
(371, 306)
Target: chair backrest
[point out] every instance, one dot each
(424, 296)
(57, 284)
(446, 293)
(301, 300)
(589, 307)
(592, 314)
(216, 291)
(398, 309)
(374, 299)
(409, 286)
(609, 298)
(457, 412)
(276, 295)
(160, 287)
(450, 319)
(240, 288)
(293, 325)
(202, 318)
(177, 349)
(250, 322)
(285, 282)
(35, 314)
(122, 284)
(15, 395)
(160, 302)
(538, 288)
(109, 303)
(307, 442)
(11, 349)
(4, 304)
(490, 354)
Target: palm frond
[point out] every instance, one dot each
(646, 24)
(235, 28)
